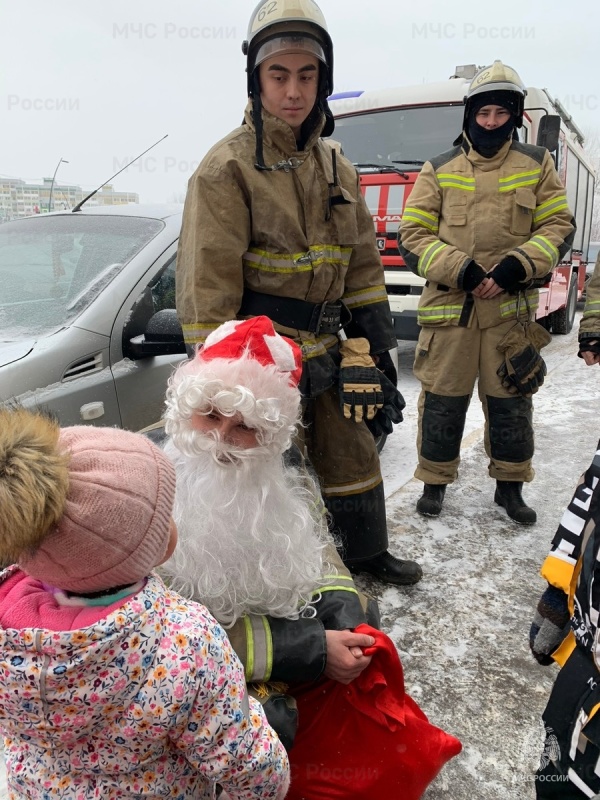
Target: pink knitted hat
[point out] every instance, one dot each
(116, 521)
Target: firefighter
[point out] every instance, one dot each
(589, 329)
(274, 224)
(483, 221)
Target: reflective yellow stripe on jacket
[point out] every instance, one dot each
(337, 583)
(364, 297)
(427, 314)
(509, 307)
(454, 181)
(548, 208)
(547, 248)
(423, 218)
(519, 180)
(353, 487)
(259, 648)
(430, 253)
(592, 308)
(196, 332)
(315, 349)
(292, 263)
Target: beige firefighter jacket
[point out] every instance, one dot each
(275, 232)
(466, 207)
(589, 327)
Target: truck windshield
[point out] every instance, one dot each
(416, 133)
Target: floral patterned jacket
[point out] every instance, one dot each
(147, 700)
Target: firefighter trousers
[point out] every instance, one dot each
(344, 456)
(448, 361)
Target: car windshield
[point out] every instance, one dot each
(53, 267)
(387, 137)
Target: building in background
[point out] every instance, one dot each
(21, 199)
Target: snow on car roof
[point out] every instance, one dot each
(154, 210)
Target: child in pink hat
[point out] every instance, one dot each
(111, 685)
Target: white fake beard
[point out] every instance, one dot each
(250, 540)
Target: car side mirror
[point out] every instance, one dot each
(163, 336)
(548, 132)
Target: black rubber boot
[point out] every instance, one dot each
(430, 502)
(508, 495)
(389, 569)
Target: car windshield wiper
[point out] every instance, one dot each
(406, 161)
(382, 168)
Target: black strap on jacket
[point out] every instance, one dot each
(466, 311)
(299, 314)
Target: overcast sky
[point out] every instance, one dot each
(96, 83)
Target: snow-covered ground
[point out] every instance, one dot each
(462, 633)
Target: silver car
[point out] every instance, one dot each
(87, 322)
(88, 328)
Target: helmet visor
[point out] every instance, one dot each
(289, 45)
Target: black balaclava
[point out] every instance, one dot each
(488, 143)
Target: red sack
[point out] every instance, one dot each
(366, 740)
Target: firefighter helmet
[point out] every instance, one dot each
(498, 77)
(288, 26)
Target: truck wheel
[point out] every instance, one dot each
(562, 320)
(545, 322)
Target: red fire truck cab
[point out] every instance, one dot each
(389, 134)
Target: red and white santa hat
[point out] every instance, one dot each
(244, 367)
(257, 338)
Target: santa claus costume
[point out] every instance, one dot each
(254, 547)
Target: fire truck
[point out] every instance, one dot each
(389, 134)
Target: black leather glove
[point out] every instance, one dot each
(385, 364)
(472, 276)
(280, 709)
(523, 370)
(589, 345)
(550, 625)
(282, 715)
(390, 414)
(509, 273)
(359, 381)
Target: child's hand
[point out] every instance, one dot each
(345, 658)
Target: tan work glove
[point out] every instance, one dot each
(359, 381)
